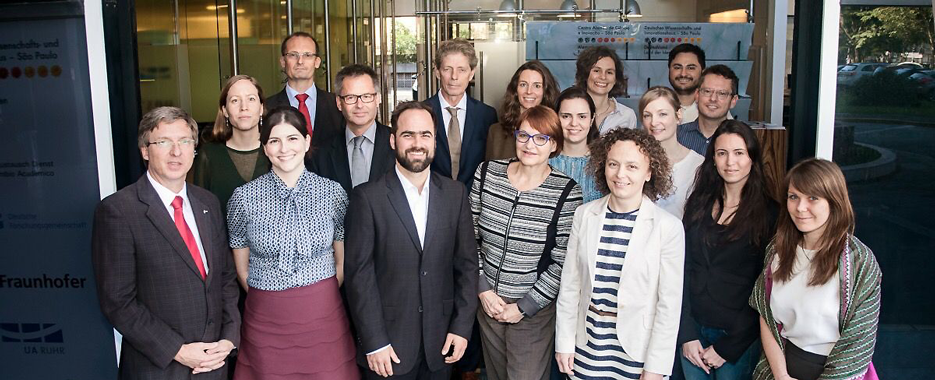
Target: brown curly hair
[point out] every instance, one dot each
(660, 183)
(510, 110)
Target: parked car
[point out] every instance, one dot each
(926, 81)
(849, 74)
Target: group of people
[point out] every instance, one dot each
(566, 236)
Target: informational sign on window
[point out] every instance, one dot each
(51, 326)
(643, 48)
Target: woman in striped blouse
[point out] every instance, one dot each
(522, 217)
(618, 308)
(819, 294)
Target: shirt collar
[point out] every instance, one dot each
(312, 92)
(692, 126)
(408, 187)
(166, 195)
(462, 104)
(369, 134)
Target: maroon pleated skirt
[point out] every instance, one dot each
(299, 333)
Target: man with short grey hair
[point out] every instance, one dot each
(165, 276)
(363, 151)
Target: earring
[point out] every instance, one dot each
(261, 120)
(227, 122)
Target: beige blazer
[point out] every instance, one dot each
(649, 301)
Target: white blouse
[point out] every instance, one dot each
(621, 117)
(808, 314)
(683, 177)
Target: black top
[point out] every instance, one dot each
(718, 281)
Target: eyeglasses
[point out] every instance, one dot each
(721, 95)
(294, 55)
(538, 139)
(352, 99)
(169, 144)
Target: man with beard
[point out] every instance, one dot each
(411, 260)
(715, 97)
(686, 61)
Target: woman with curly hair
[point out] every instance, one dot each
(532, 85)
(599, 72)
(819, 294)
(729, 219)
(619, 302)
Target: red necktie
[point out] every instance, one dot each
(304, 110)
(187, 235)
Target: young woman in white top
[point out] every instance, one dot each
(659, 108)
(819, 294)
(599, 71)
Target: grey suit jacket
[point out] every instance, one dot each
(399, 292)
(149, 287)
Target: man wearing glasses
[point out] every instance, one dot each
(165, 276)
(716, 96)
(363, 151)
(299, 60)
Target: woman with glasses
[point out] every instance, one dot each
(618, 309)
(599, 72)
(818, 296)
(576, 111)
(532, 85)
(660, 110)
(231, 154)
(287, 234)
(729, 219)
(522, 217)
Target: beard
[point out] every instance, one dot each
(414, 166)
(687, 89)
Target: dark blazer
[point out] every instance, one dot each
(328, 119)
(399, 292)
(473, 141)
(330, 161)
(149, 287)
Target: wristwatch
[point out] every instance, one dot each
(521, 312)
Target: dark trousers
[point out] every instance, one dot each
(419, 372)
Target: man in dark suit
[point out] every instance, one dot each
(455, 62)
(363, 151)
(411, 260)
(299, 60)
(164, 272)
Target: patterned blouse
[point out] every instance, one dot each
(522, 235)
(290, 231)
(576, 168)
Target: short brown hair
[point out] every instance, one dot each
(221, 131)
(546, 121)
(454, 46)
(282, 47)
(353, 71)
(823, 179)
(410, 105)
(658, 92)
(589, 57)
(660, 182)
(153, 118)
(724, 72)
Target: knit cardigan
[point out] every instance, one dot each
(859, 316)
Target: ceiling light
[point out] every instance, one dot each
(569, 5)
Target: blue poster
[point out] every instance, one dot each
(51, 326)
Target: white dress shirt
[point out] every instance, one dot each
(621, 117)
(462, 112)
(310, 102)
(167, 196)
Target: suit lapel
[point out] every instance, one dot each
(642, 228)
(203, 221)
(341, 168)
(594, 229)
(397, 198)
(160, 218)
(442, 152)
(436, 204)
(468, 133)
(381, 148)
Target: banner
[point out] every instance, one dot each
(642, 47)
(51, 326)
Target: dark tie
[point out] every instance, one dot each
(454, 141)
(304, 110)
(187, 235)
